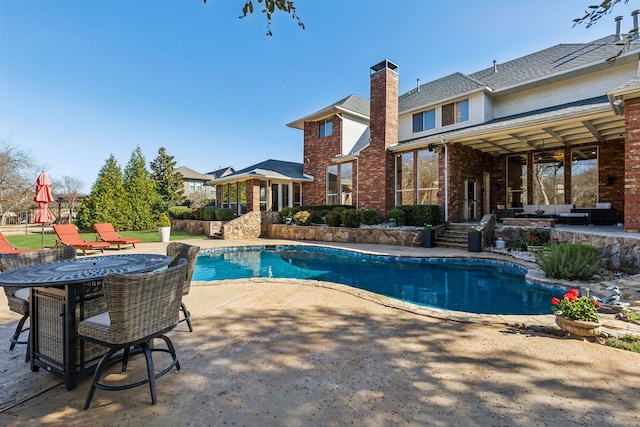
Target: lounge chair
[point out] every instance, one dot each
(68, 236)
(7, 248)
(106, 233)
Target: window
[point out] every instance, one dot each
(297, 194)
(584, 177)
(346, 183)
(332, 185)
(455, 112)
(405, 179)
(285, 195)
(427, 177)
(325, 128)
(233, 197)
(263, 195)
(198, 186)
(548, 178)
(225, 196)
(243, 198)
(425, 120)
(192, 186)
(516, 181)
(275, 200)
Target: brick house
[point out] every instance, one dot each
(197, 186)
(558, 126)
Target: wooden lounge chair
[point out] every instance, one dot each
(68, 236)
(7, 248)
(106, 233)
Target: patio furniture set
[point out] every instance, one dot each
(87, 313)
(602, 214)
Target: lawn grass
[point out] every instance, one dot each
(34, 240)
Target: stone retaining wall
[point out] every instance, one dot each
(192, 226)
(382, 236)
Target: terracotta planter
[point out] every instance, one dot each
(580, 328)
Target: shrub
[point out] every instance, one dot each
(302, 218)
(398, 214)
(333, 218)
(285, 213)
(419, 215)
(224, 214)
(163, 220)
(209, 213)
(316, 217)
(179, 212)
(570, 261)
(370, 217)
(350, 218)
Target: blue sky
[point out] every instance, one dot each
(81, 80)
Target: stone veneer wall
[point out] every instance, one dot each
(192, 226)
(249, 226)
(382, 236)
(620, 253)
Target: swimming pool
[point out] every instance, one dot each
(460, 284)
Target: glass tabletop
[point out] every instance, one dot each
(80, 270)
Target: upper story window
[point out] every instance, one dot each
(455, 112)
(325, 128)
(425, 120)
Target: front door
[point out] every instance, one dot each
(470, 209)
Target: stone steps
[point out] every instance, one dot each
(454, 236)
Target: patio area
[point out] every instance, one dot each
(278, 352)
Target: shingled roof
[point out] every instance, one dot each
(352, 103)
(547, 62)
(273, 169)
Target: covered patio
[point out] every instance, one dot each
(277, 352)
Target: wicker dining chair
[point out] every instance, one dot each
(141, 307)
(17, 297)
(176, 251)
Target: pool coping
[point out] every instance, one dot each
(534, 274)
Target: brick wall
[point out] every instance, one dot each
(611, 174)
(376, 183)
(318, 153)
(632, 165)
(465, 162)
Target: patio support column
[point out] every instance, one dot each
(632, 165)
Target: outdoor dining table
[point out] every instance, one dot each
(63, 293)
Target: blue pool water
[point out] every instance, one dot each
(475, 286)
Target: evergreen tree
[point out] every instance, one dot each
(141, 194)
(106, 199)
(168, 182)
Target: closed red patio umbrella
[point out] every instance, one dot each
(43, 197)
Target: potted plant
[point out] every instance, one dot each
(164, 227)
(577, 314)
(428, 236)
(474, 240)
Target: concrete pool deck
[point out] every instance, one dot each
(272, 352)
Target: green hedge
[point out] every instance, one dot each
(420, 215)
(180, 212)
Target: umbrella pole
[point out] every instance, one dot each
(42, 236)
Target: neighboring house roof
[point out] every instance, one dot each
(222, 172)
(190, 174)
(351, 104)
(270, 169)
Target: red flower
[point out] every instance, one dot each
(596, 303)
(571, 295)
(555, 301)
(531, 237)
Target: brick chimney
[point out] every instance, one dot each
(375, 167)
